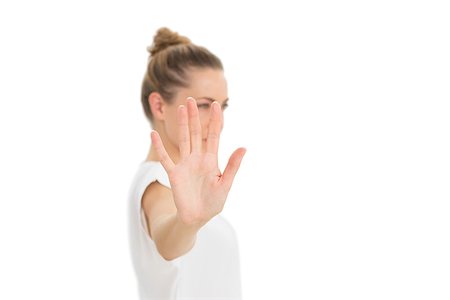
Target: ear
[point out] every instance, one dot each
(156, 105)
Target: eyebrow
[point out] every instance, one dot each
(212, 99)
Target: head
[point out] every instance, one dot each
(178, 69)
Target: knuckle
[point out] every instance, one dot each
(195, 131)
(213, 135)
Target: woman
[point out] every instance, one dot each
(182, 248)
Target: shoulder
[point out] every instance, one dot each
(157, 201)
(154, 171)
(157, 185)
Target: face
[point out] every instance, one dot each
(206, 86)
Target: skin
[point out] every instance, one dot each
(186, 141)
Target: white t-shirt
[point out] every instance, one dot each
(210, 270)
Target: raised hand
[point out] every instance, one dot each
(199, 188)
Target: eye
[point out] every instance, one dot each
(203, 106)
(224, 106)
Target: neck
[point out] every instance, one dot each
(153, 155)
(171, 149)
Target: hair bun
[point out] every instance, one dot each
(165, 38)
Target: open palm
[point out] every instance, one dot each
(199, 188)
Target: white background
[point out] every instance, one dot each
(343, 107)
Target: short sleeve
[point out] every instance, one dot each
(153, 171)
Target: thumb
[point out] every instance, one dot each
(232, 167)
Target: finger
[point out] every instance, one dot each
(215, 126)
(195, 128)
(164, 158)
(232, 167)
(183, 132)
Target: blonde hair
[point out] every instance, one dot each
(171, 57)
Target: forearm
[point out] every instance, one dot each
(172, 237)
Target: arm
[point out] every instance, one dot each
(198, 188)
(172, 237)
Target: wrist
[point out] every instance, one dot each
(190, 223)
